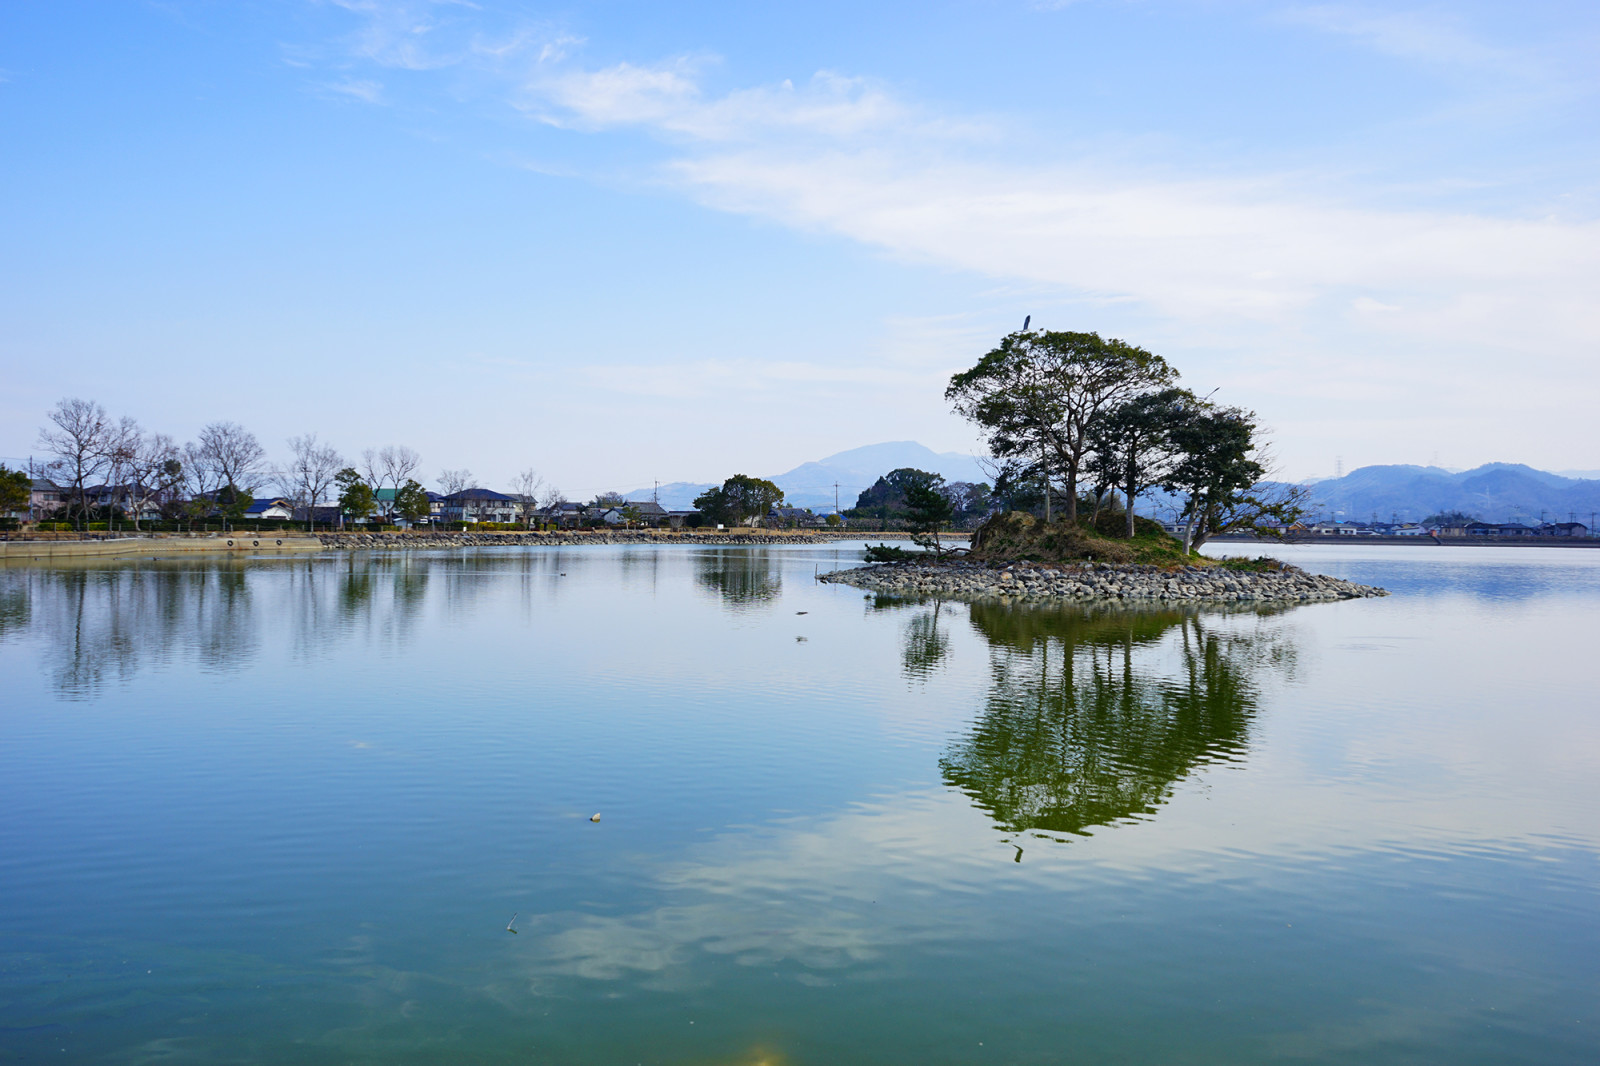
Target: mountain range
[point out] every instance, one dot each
(1494, 492)
(812, 484)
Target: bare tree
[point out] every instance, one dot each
(528, 485)
(199, 480)
(391, 465)
(152, 469)
(234, 455)
(451, 481)
(310, 473)
(80, 444)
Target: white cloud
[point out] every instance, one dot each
(1420, 35)
(361, 89)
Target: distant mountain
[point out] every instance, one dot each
(1495, 492)
(812, 484)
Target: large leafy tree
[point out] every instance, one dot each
(356, 498)
(16, 488)
(1039, 394)
(1218, 470)
(739, 498)
(886, 497)
(411, 500)
(1132, 443)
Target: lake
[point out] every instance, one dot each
(284, 810)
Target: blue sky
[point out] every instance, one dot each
(622, 241)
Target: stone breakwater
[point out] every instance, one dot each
(403, 541)
(1101, 581)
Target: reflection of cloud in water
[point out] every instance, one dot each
(810, 900)
(1093, 717)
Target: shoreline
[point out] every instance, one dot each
(1127, 583)
(46, 548)
(1410, 542)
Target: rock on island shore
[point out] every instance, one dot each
(1128, 583)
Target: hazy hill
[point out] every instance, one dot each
(1495, 492)
(811, 484)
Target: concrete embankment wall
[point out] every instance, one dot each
(46, 549)
(578, 538)
(40, 550)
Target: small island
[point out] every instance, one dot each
(1015, 556)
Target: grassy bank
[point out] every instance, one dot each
(1019, 537)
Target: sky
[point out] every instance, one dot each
(622, 242)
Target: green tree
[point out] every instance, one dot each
(928, 509)
(1219, 470)
(356, 498)
(16, 489)
(412, 501)
(1132, 443)
(1040, 392)
(233, 502)
(739, 498)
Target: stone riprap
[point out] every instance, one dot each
(1100, 581)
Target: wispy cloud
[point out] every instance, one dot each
(359, 88)
(1296, 253)
(1424, 35)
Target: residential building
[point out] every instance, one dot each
(479, 505)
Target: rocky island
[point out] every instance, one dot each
(1016, 557)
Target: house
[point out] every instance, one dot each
(1563, 529)
(565, 514)
(121, 498)
(1411, 530)
(479, 505)
(268, 509)
(45, 497)
(792, 518)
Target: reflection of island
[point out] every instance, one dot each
(1092, 718)
(742, 577)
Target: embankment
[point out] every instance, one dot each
(44, 550)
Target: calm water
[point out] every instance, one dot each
(283, 810)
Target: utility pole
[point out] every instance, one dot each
(835, 497)
(655, 495)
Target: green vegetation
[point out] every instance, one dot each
(356, 498)
(1099, 416)
(740, 499)
(1017, 536)
(15, 490)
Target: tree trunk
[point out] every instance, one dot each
(1129, 490)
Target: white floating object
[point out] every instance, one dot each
(594, 817)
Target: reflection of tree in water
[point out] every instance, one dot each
(14, 611)
(1092, 718)
(927, 642)
(741, 576)
(100, 623)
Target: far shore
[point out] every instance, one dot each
(50, 546)
(1413, 542)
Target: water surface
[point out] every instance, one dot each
(282, 810)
